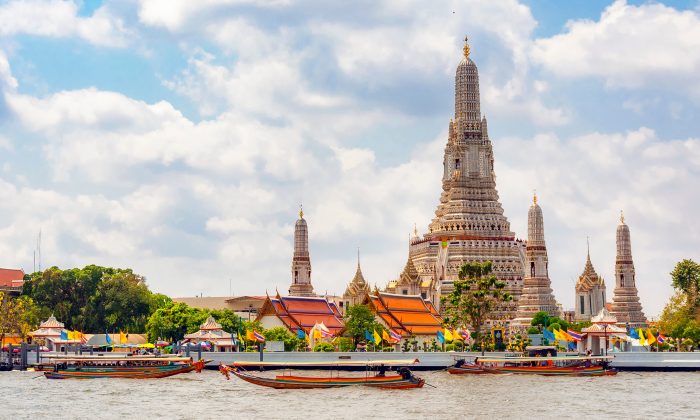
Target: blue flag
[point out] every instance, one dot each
(633, 333)
(64, 335)
(368, 336)
(300, 333)
(440, 337)
(108, 338)
(548, 335)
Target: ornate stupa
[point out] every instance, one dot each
(357, 289)
(469, 224)
(625, 302)
(590, 292)
(301, 262)
(537, 288)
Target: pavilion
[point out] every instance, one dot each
(598, 336)
(212, 333)
(408, 315)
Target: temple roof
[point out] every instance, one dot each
(604, 317)
(52, 322)
(358, 285)
(304, 312)
(210, 324)
(589, 278)
(10, 277)
(407, 314)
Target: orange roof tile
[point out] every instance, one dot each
(408, 313)
(304, 312)
(10, 277)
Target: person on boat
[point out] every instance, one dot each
(405, 373)
(460, 363)
(382, 370)
(549, 362)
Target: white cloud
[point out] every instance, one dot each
(584, 182)
(59, 19)
(629, 46)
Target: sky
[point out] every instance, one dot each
(179, 138)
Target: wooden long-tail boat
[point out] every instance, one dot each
(547, 366)
(138, 367)
(378, 379)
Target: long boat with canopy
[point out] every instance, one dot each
(547, 366)
(375, 375)
(131, 367)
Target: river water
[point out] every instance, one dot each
(209, 396)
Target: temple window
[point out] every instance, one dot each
(582, 304)
(532, 269)
(404, 291)
(457, 164)
(622, 280)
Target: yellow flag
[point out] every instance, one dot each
(69, 335)
(377, 338)
(448, 335)
(557, 335)
(385, 336)
(650, 337)
(642, 341)
(122, 338)
(249, 335)
(317, 334)
(77, 335)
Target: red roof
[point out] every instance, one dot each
(304, 312)
(11, 278)
(408, 314)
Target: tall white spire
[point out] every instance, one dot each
(301, 261)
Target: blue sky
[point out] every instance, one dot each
(179, 138)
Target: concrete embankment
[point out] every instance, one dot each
(435, 361)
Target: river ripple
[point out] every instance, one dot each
(208, 395)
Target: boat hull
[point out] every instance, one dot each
(551, 370)
(133, 373)
(298, 382)
(467, 370)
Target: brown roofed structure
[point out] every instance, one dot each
(303, 312)
(406, 314)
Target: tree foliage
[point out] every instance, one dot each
(686, 278)
(291, 341)
(17, 316)
(93, 298)
(358, 319)
(476, 294)
(174, 321)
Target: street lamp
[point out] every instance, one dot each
(605, 330)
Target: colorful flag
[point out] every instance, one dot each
(249, 336)
(395, 336)
(83, 339)
(259, 337)
(642, 341)
(548, 335)
(317, 334)
(386, 337)
(465, 334)
(377, 338)
(326, 333)
(448, 335)
(122, 337)
(64, 335)
(661, 339)
(575, 335)
(633, 333)
(368, 336)
(440, 337)
(108, 339)
(650, 337)
(300, 333)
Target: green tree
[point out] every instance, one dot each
(675, 315)
(121, 302)
(174, 321)
(475, 295)
(686, 278)
(692, 332)
(17, 316)
(358, 319)
(291, 341)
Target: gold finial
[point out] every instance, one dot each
(301, 211)
(622, 217)
(466, 48)
(534, 197)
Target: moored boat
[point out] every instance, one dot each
(138, 367)
(547, 366)
(375, 376)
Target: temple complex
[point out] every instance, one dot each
(301, 262)
(590, 293)
(410, 283)
(300, 313)
(625, 303)
(537, 288)
(212, 333)
(356, 291)
(469, 224)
